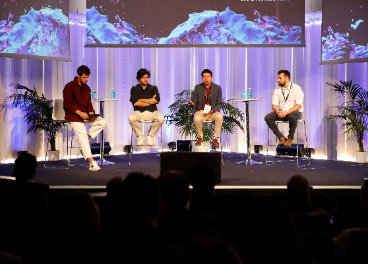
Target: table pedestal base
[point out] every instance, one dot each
(105, 162)
(251, 162)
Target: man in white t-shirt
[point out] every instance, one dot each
(287, 105)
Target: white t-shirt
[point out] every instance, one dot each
(288, 97)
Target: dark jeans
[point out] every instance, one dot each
(293, 122)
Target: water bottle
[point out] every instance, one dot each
(112, 93)
(250, 94)
(243, 94)
(92, 94)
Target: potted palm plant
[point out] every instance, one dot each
(353, 112)
(181, 116)
(38, 113)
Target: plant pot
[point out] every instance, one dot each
(204, 147)
(361, 157)
(53, 155)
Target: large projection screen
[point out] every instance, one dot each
(194, 23)
(344, 31)
(35, 29)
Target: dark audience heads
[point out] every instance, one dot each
(270, 215)
(364, 194)
(140, 199)
(202, 177)
(25, 167)
(113, 187)
(202, 250)
(298, 188)
(79, 214)
(270, 235)
(174, 190)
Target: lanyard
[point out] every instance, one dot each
(207, 99)
(291, 87)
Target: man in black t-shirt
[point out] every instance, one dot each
(145, 98)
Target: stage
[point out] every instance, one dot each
(322, 174)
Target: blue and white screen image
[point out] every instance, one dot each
(193, 22)
(344, 31)
(35, 28)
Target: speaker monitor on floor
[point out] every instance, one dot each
(184, 161)
(258, 148)
(172, 145)
(183, 145)
(291, 151)
(95, 148)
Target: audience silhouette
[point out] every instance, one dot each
(25, 167)
(157, 221)
(299, 192)
(270, 235)
(139, 242)
(202, 177)
(202, 250)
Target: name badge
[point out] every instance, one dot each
(206, 109)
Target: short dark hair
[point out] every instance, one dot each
(202, 177)
(143, 72)
(285, 72)
(24, 166)
(206, 71)
(174, 189)
(140, 197)
(83, 69)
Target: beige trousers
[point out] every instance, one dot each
(81, 131)
(146, 116)
(199, 118)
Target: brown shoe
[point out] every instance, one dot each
(282, 141)
(288, 142)
(199, 141)
(215, 143)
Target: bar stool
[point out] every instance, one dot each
(297, 141)
(58, 116)
(154, 145)
(68, 148)
(220, 144)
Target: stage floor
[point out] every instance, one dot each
(327, 173)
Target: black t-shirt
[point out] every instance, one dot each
(137, 92)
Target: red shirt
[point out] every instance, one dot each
(76, 98)
(208, 91)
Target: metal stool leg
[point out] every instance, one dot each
(268, 143)
(297, 146)
(222, 154)
(47, 147)
(306, 142)
(67, 144)
(131, 147)
(162, 145)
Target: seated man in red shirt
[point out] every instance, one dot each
(207, 102)
(78, 107)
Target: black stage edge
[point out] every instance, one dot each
(319, 173)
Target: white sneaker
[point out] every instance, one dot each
(149, 140)
(94, 166)
(140, 140)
